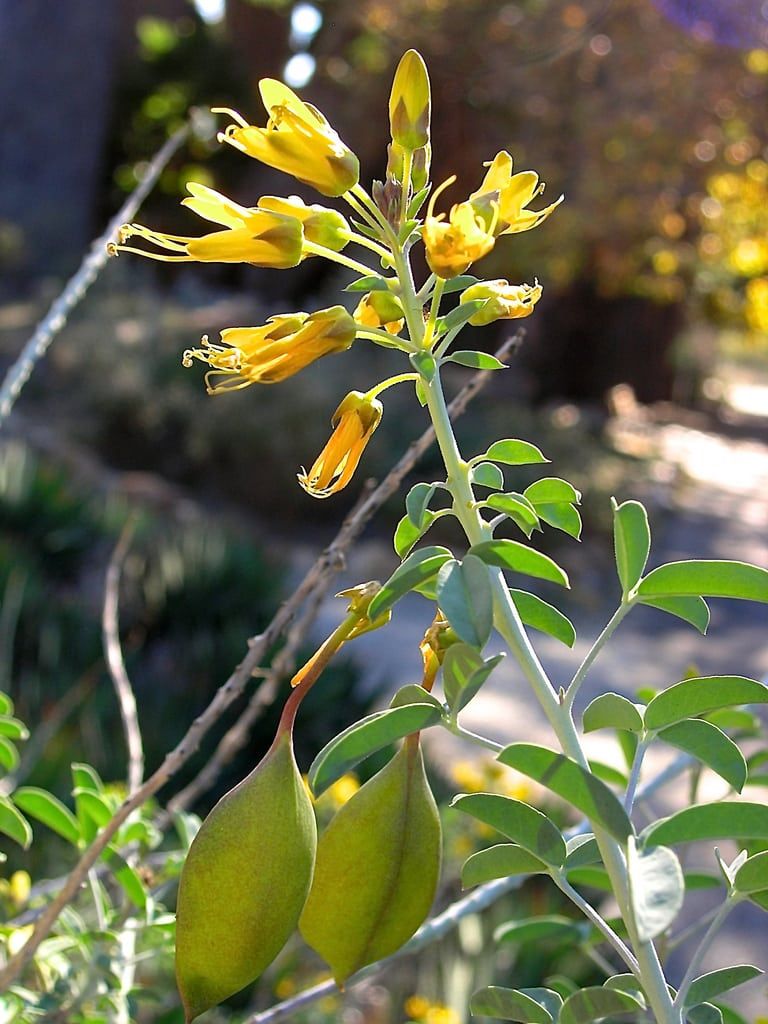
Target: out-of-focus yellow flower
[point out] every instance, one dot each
(439, 1014)
(513, 193)
(260, 237)
(410, 102)
(756, 304)
(297, 140)
(452, 246)
(274, 351)
(21, 886)
(380, 309)
(468, 777)
(322, 226)
(416, 1007)
(503, 301)
(343, 789)
(353, 425)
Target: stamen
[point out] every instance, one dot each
(233, 114)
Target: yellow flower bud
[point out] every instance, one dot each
(353, 425)
(321, 226)
(278, 349)
(297, 140)
(503, 301)
(380, 309)
(409, 102)
(512, 193)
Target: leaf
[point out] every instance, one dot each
(698, 696)
(707, 579)
(711, 746)
(477, 360)
(372, 733)
(418, 567)
(372, 283)
(464, 672)
(377, 868)
(656, 889)
(6, 704)
(612, 711)
(592, 1004)
(407, 534)
(691, 609)
(127, 878)
(509, 554)
(573, 783)
(529, 1006)
(631, 542)
(752, 876)
(562, 517)
(551, 490)
(545, 927)
(503, 861)
(607, 773)
(522, 823)
(93, 805)
(13, 824)
(543, 616)
(48, 809)
(417, 502)
(704, 1013)
(412, 693)
(714, 983)
(486, 474)
(9, 755)
(459, 315)
(86, 777)
(626, 983)
(582, 849)
(13, 728)
(458, 284)
(424, 363)
(466, 599)
(723, 820)
(516, 506)
(512, 452)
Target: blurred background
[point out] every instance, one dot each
(643, 373)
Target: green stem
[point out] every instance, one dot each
(374, 212)
(390, 383)
(698, 956)
(602, 926)
(634, 775)
(361, 211)
(597, 646)
(385, 338)
(434, 308)
(338, 257)
(369, 243)
(473, 737)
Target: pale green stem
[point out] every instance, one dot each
(369, 243)
(698, 956)
(423, 293)
(98, 899)
(472, 737)
(443, 347)
(375, 213)
(338, 257)
(390, 340)
(390, 383)
(434, 308)
(597, 646)
(602, 926)
(634, 775)
(361, 211)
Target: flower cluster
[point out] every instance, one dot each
(281, 232)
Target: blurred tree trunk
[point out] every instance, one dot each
(55, 84)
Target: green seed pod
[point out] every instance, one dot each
(377, 868)
(245, 881)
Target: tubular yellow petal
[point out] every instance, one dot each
(353, 425)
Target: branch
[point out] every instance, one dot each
(75, 289)
(328, 562)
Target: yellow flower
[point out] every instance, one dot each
(409, 102)
(503, 301)
(380, 309)
(353, 424)
(280, 348)
(453, 245)
(260, 237)
(297, 140)
(417, 1007)
(322, 226)
(343, 789)
(513, 193)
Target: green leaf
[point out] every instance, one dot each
(592, 1004)
(466, 599)
(698, 696)
(626, 983)
(612, 711)
(562, 517)
(459, 315)
(509, 554)
(582, 849)
(711, 746)
(486, 474)
(365, 737)
(503, 861)
(607, 773)
(424, 364)
(704, 1013)
(13, 728)
(412, 693)
(591, 876)
(707, 579)
(522, 823)
(476, 360)
(9, 755)
(127, 878)
(372, 283)
(569, 780)
(13, 824)
(631, 541)
(6, 704)
(458, 284)
(752, 876)
(551, 490)
(417, 568)
(713, 984)
(729, 1015)
(48, 809)
(516, 506)
(512, 452)
(744, 722)
(464, 672)
(543, 928)
(723, 820)
(93, 805)
(421, 392)
(407, 534)
(690, 609)
(86, 777)
(656, 889)
(545, 617)
(516, 1004)
(417, 502)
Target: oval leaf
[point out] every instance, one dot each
(656, 888)
(510, 554)
(593, 1004)
(698, 696)
(465, 598)
(377, 868)
(551, 490)
(485, 474)
(522, 823)
(529, 1006)
(690, 609)
(417, 502)
(365, 737)
(14, 824)
(631, 541)
(503, 861)
(612, 711)
(543, 616)
(13, 728)
(477, 360)
(547, 927)
(562, 517)
(9, 755)
(418, 567)
(752, 876)
(516, 506)
(707, 986)
(723, 820)
(707, 579)
(711, 746)
(49, 810)
(515, 453)
(464, 672)
(573, 783)
(407, 534)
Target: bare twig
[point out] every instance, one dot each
(113, 655)
(328, 562)
(92, 265)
